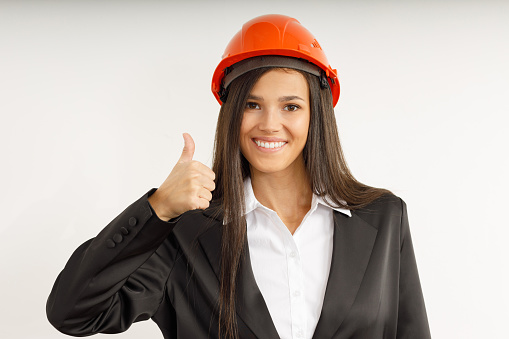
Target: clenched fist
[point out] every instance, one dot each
(188, 186)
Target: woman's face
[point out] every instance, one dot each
(275, 125)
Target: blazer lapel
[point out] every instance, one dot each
(250, 305)
(353, 242)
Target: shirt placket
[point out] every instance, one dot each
(295, 283)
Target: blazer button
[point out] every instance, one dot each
(133, 221)
(124, 231)
(110, 243)
(117, 238)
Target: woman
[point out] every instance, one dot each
(277, 240)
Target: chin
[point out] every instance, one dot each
(264, 167)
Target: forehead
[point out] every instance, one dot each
(281, 82)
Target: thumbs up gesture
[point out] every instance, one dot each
(188, 186)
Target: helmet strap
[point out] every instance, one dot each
(323, 80)
(273, 61)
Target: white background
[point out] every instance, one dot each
(94, 97)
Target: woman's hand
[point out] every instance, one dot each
(188, 186)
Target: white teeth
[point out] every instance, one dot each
(270, 144)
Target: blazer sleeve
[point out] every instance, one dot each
(117, 277)
(412, 318)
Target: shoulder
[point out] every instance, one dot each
(192, 224)
(388, 209)
(195, 230)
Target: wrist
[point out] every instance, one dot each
(158, 206)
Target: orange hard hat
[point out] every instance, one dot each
(274, 35)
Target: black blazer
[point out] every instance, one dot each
(140, 267)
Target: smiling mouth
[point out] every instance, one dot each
(269, 145)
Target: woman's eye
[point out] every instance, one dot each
(252, 105)
(291, 108)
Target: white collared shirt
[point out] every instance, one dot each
(291, 271)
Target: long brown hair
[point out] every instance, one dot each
(329, 175)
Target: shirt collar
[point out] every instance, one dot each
(252, 203)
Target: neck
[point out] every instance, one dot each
(288, 193)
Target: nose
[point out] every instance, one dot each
(270, 121)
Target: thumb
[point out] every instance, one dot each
(188, 151)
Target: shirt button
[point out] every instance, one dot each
(293, 254)
(300, 334)
(296, 293)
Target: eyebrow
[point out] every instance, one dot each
(290, 98)
(281, 99)
(254, 97)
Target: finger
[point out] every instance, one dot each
(208, 173)
(211, 174)
(208, 184)
(202, 203)
(204, 170)
(205, 194)
(188, 151)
